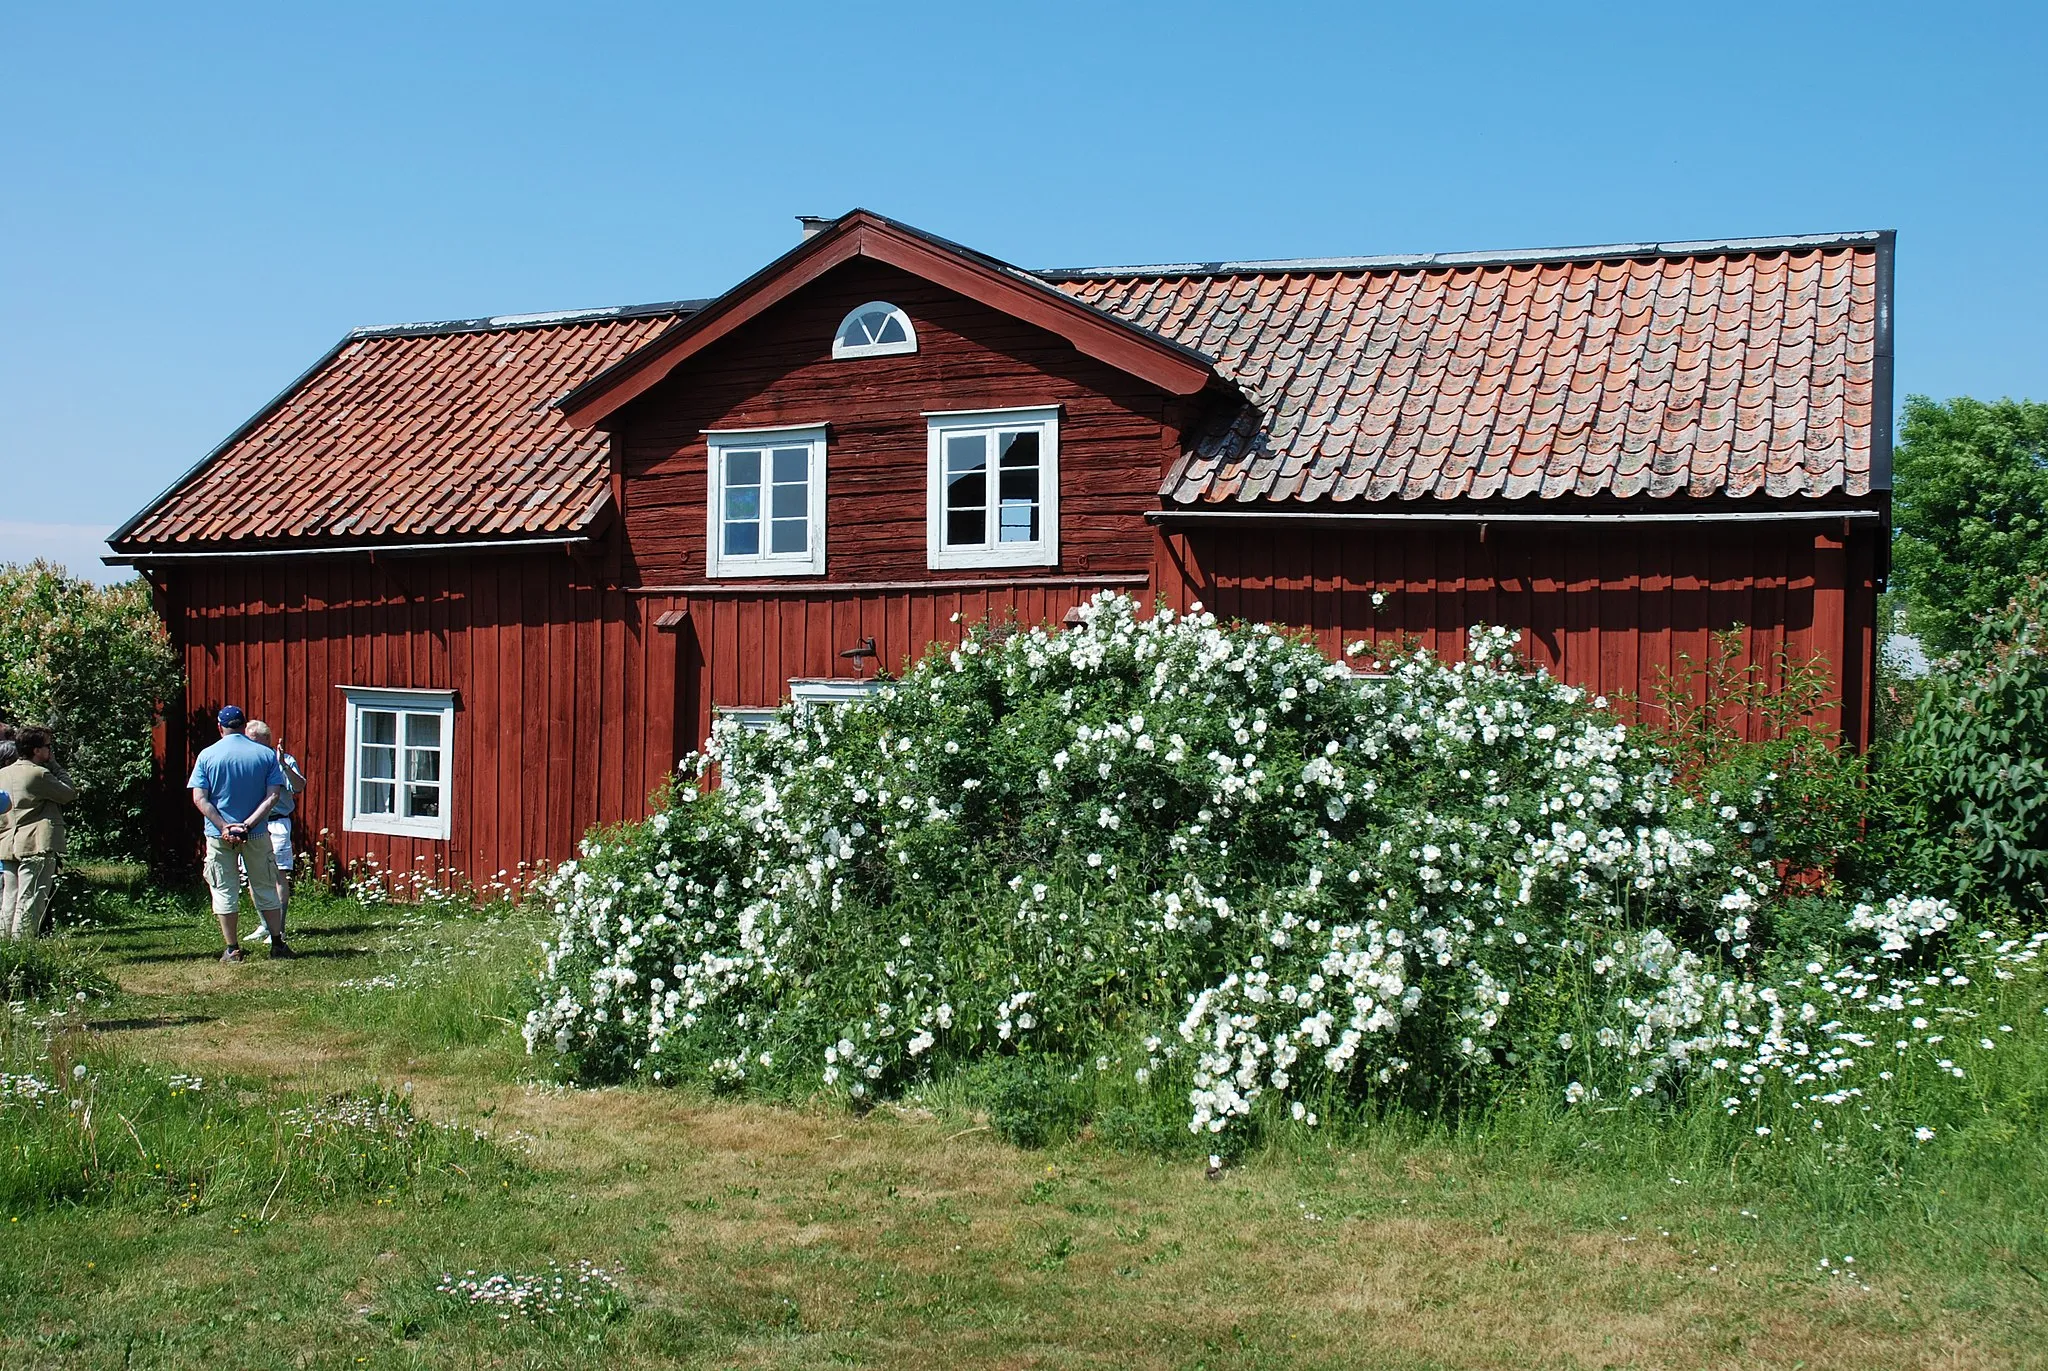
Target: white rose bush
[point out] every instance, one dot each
(1202, 871)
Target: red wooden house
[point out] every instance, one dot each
(492, 578)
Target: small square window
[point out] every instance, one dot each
(767, 503)
(396, 763)
(994, 488)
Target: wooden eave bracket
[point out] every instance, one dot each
(672, 621)
(1172, 368)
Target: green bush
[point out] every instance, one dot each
(1161, 862)
(1961, 792)
(1029, 1099)
(1746, 729)
(93, 664)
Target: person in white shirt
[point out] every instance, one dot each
(279, 826)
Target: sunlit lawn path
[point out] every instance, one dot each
(757, 1236)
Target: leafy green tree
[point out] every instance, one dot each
(94, 665)
(1960, 795)
(1971, 505)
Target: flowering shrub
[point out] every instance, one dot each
(1208, 863)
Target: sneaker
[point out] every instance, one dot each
(232, 956)
(259, 934)
(279, 948)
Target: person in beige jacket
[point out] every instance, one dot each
(32, 831)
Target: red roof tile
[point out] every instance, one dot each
(1713, 369)
(1751, 367)
(422, 431)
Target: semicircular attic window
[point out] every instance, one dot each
(876, 329)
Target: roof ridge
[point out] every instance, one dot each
(544, 319)
(1706, 247)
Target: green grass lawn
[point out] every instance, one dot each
(269, 1216)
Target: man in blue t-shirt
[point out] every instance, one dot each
(236, 784)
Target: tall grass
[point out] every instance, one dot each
(83, 1126)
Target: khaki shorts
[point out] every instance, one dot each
(227, 862)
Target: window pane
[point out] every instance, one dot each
(422, 765)
(966, 473)
(743, 502)
(789, 502)
(743, 540)
(374, 797)
(964, 528)
(379, 726)
(1019, 521)
(854, 335)
(891, 331)
(966, 452)
(1020, 449)
(1018, 485)
(422, 730)
(423, 802)
(377, 763)
(790, 535)
(742, 469)
(792, 466)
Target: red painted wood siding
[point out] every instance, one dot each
(573, 707)
(742, 650)
(778, 370)
(1610, 608)
(565, 693)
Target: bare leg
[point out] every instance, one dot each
(230, 927)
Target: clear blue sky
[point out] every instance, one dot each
(199, 199)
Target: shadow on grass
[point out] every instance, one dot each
(158, 1021)
(337, 954)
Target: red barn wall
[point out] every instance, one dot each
(564, 692)
(1612, 608)
(572, 706)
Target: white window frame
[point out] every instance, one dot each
(807, 691)
(843, 350)
(718, 442)
(752, 718)
(401, 701)
(1042, 551)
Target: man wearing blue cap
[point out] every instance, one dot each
(236, 784)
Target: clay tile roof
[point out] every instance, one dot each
(418, 431)
(1654, 370)
(1736, 368)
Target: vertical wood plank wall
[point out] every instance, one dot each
(1610, 608)
(552, 677)
(572, 706)
(568, 697)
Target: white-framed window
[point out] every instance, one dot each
(994, 488)
(397, 766)
(752, 718)
(875, 329)
(806, 691)
(767, 502)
